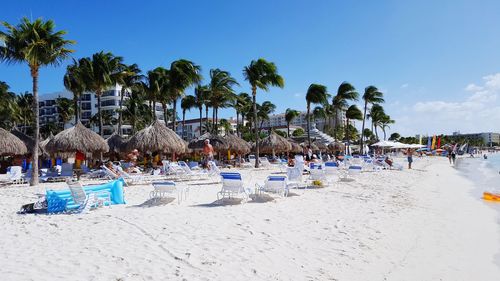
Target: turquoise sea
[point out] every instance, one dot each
(485, 173)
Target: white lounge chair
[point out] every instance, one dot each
(318, 175)
(131, 179)
(264, 162)
(232, 186)
(163, 188)
(214, 170)
(14, 175)
(274, 184)
(295, 178)
(87, 200)
(190, 173)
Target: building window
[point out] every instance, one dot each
(109, 103)
(86, 106)
(109, 93)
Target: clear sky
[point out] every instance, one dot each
(438, 62)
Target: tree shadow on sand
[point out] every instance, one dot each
(154, 202)
(221, 203)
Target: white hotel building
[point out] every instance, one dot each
(110, 102)
(279, 121)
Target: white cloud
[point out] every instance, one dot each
(478, 112)
(404, 86)
(298, 95)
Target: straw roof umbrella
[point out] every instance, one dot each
(44, 143)
(274, 143)
(296, 148)
(10, 144)
(313, 146)
(336, 146)
(157, 138)
(28, 141)
(217, 142)
(77, 138)
(320, 145)
(237, 145)
(116, 144)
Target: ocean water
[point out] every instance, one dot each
(485, 173)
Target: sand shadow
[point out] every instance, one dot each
(221, 203)
(154, 202)
(260, 198)
(346, 180)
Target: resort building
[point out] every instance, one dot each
(110, 103)
(488, 138)
(192, 127)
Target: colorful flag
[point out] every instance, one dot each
(439, 142)
(433, 146)
(420, 140)
(429, 141)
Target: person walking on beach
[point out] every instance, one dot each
(409, 154)
(208, 151)
(453, 154)
(449, 150)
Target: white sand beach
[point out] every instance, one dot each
(419, 224)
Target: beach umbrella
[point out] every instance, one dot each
(116, 144)
(157, 138)
(321, 146)
(10, 144)
(383, 144)
(77, 139)
(274, 143)
(336, 146)
(296, 148)
(218, 143)
(237, 145)
(28, 141)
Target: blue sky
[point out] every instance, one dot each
(436, 61)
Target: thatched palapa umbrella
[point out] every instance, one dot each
(320, 145)
(10, 144)
(28, 141)
(296, 148)
(157, 138)
(44, 143)
(77, 139)
(218, 143)
(237, 145)
(313, 146)
(274, 143)
(336, 146)
(116, 144)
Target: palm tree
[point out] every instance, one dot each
(243, 102)
(384, 123)
(318, 113)
(376, 114)
(182, 75)
(128, 78)
(200, 95)
(316, 94)
(187, 103)
(264, 110)
(371, 96)
(290, 114)
(136, 112)
(155, 85)
(345, 93)
(37, 44)
(74, 82)
(23, 112)
(221, 90)
(261, 74)
(226, 126)
(101, 72)
(64, 110)
(352, 113)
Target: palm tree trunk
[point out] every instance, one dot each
(383, 130)
(237, 123)
(75, 100)
(120, 113)
(201, 117)
(254, 104)
(98, 93)
(174, 114)
(376, 133)
(347, 136)
(34, 162)
(154, 109)
(206, 117)
(308, 125)
(165, 117)
(288, 129)
(183, 123)
(363, 128)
